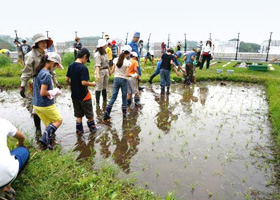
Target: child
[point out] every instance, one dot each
(109, 54)
(115, 49)
(121, 67)
(78, 77)
(176, 56)
(189, 59)
(132, 86)
(11, 162)
(165, 67)
(43, 97)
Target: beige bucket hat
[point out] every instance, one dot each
(41, 37)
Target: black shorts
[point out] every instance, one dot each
(83, 108)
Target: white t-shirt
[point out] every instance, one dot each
(9, 166)
(121, 72)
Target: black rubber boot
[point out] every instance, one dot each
(37, 122)
(162, 91)
(151, 79)
(167, 91)
(97, 96)
(104, 95)
(129, 101)
(107, 113)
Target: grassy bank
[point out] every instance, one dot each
(50, 175)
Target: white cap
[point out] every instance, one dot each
(127, 48)
(101, 43)
(53, 56)
(134, 54)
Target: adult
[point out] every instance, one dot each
(77, 46)
(5, 51)
(19, 60)
(101, 71)
(189, 59)
(163, 48)
(24, 49)
(115, 49)
(52, 48)
(207, 53)
(11, 162)
(135, 47)
(32, 60)
(141, 46)
(107, 38)
(179, 46)
(149, 56)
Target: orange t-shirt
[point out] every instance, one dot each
(133, 67)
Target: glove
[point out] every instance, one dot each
(22, 91)
(53, 93)
(59, 86)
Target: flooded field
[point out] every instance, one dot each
(206, 141)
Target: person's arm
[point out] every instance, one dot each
(20, 137)
(174, 67)
(97, 72)
(113, 69)
(54, 77)
(67, 79)
(97, 58)
(44, 90)
(87, 83)
(27, 71)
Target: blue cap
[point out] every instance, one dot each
(136, 34)
(178, 53)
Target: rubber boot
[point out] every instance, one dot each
(167, 91)
(79, 128)
(104, 95)
(107, 113)
(47, 137)
(92, 126)
(162, 91)
(129, 101)
(137, 100)
(151, 79)
(97, 96)
(37, 122)
(124, 112)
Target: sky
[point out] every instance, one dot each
(222, 18)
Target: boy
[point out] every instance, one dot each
(78, 77)
(132, 86)
(189, 59)
(165, 68)
(115, 49)
(177, 55)
(109, 54)
(11, 162)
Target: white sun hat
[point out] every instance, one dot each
(101, 43)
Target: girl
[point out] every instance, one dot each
(132, 83)
(121, 67)
(207, 53)
(43, 97)
(101, 71)
(32, 60)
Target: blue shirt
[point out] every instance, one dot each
(43, 78)
(189, 57)
(78, 72)
(135, 48)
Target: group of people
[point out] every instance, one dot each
(39, 69)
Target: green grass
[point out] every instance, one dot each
(50, 175)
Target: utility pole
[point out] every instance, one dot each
(76, 34)
(16, 35)
(47, 33)
(168, 40)
(185, 43)
(268, 48)
(210, 35)
(148, 44)
(237, 47)
(102, 34)
(126, 39)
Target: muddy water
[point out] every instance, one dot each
(206, 141)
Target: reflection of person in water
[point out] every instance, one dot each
(86, 149)
(165, 115)
(188, 98)
(126, 146)
(203, 93)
